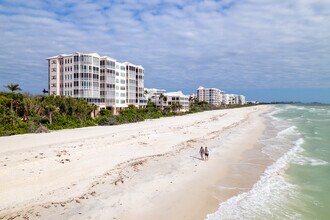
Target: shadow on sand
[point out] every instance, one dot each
(198, 158)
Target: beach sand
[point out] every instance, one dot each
(145, 170)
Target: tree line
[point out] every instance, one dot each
(25, 113)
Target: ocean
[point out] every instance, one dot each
(297, 184)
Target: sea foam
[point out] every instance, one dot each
(266, 197)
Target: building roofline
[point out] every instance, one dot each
(75, 53)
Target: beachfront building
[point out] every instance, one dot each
(102, 81)
(153, 92)
(213, 96)
(135, 85)
(176, 99)
(217, 97)
(233, 99)
(228, 99)
(241, 99)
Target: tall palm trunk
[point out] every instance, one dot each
(50, 118)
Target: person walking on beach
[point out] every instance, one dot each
(202, 152)
(206, 153)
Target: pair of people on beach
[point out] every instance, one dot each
(204, 152)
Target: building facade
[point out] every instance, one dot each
(163, 99)
(210, 95)
(217, 97)
(179, 98)
(102, 81)
(233, 99)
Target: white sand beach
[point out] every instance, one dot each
(145, 170)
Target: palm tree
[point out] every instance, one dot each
(146, 92)
(13, 87)
(161, 100)
(94, 110)
(175, 106)
(165, 99)
(50, 109)
(179, 106)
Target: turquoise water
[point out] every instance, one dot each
(297, 184)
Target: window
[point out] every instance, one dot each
(53, 77)
(53, 61)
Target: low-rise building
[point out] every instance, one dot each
(233, 99)
(178, 99)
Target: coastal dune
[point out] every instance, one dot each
(144, 170)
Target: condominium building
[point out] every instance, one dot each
(161, 98)
(233, 99)
(102, 81)
(153, 94)
(179, 98)
(241, 99)
(210, 95)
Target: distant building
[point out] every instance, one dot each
(152, 94)
(100, 80)
(241, 99)
(210, 95)
(217, 97)
(179, 98)
(233, 99)
(163, 99)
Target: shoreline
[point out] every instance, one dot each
(202, 193)
(136, 170)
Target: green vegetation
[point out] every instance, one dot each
(24, 113)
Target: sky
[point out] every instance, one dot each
(268, 50)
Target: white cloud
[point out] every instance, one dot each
(181, 44)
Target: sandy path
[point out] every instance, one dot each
(144, 170)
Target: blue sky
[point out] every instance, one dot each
(265, 49)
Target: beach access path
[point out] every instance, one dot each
(145, 170)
